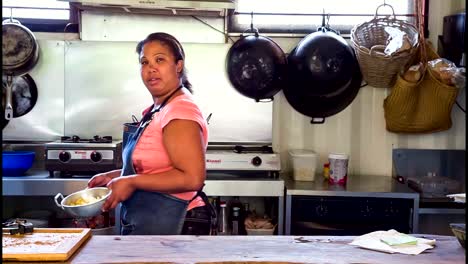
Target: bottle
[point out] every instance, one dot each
(213, 226)
(235, 221)
(235, 202)
(244, 214)
(223, 219)
(326, 170)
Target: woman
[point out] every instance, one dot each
(164, 160)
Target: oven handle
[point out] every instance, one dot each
(441, 211)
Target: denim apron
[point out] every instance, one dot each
(145, 212)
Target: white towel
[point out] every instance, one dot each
(373, 241)
(458, 197)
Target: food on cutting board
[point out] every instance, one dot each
(85, 200)
(34, 242)
(254, 221)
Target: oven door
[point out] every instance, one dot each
(349, 216)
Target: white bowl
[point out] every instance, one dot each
(93, 208)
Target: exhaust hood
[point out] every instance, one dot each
(170, 7)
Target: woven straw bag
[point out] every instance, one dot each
(422, 107)
(369, 39)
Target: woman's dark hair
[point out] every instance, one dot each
(174, 46)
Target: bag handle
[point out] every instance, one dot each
(420, 26)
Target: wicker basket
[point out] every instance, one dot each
(369, 39)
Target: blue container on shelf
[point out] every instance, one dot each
(16, 163)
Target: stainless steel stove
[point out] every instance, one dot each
(244, 160)
(74, 156)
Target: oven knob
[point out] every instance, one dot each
(64, 156)
(257, 161)
(96, 156)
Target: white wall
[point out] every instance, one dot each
(437, 10)
(359, 130)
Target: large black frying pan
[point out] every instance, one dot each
(23, 95)
(256, 67)
(323, 74)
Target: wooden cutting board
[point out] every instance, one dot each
(44, 244)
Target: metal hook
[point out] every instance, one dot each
(11, 14)
(251, 21)
(208, 118)
(323, 17)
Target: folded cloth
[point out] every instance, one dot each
(458, 197)
(395, 242)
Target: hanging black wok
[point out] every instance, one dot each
(323, 75)
(256, 67)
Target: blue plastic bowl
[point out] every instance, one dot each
(16, 163)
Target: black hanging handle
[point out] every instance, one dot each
(317, 120)
(252, 28)
(326, 26)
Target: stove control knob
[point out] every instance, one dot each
(64, 156)
(256, 161)
(96, 156)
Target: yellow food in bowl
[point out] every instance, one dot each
(82, 201)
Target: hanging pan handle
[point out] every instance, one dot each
(8, 104)
(11, 20)
(317, 120)
(264, 100)
(252, 28)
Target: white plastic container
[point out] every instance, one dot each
(304, 163)
(338, 168)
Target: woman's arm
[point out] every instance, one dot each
(183, 140)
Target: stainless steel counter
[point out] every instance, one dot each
(356, 186)
(39, 183)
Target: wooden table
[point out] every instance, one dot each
(260, 249)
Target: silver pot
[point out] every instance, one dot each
(98, 196)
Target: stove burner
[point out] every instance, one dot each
(77, 139)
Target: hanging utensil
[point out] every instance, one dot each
(20, 49)
(323, 74)
(8, 106)
(19, 98)
(256, 66)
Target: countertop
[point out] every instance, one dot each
(258, 249)
(38, 182)
(357, 185)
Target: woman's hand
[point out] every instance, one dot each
(122, 188)
(99, 180)
(102, 179)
